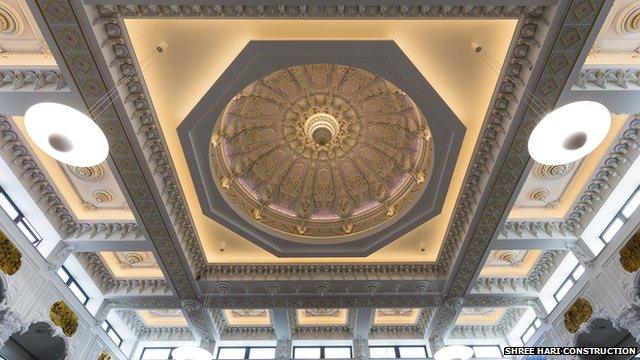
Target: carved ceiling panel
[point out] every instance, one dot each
(395, 316)
(163, 317)
(21, 42)
(321, 317)
(550, 192)
(480, 316)
(510, 263)
(132, 264)
(618, 43)
(247, 317)
(92, 193)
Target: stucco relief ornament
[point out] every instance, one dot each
(321, 151)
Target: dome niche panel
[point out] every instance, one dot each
(321, 151)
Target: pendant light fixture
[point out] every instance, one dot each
(191, 353)
(454, 352)
(569, 133)
(66, 134)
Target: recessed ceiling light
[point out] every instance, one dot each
(191, 353)
(66, 134)
(569, 133)
(454, 352)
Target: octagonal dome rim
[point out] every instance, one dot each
(260, 58)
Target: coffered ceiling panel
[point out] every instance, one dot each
(163, 317)
(550, 192)
(480, 316)
(21, 42)
(91, 193)
(322, 317)
(247, 317)
(395, 316)
(132, 264)
(442, 55)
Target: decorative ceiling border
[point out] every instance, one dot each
(545, 266)
(571, 29)
(498, 331)
(608, 78)
(317, 11)
(417, 330)
(228, 332)
(146, 124)
(32, 80)
(154, 333)
(623, 153)
(110, 285)
(26, 169)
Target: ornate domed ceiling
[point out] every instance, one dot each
(321, 150)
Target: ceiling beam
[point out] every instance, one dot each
(513, 162)
(343, 2)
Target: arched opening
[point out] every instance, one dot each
(600, 332)
(39, 342)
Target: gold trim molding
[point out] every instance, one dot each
(62, 315)
(579, 313)
(10, 257)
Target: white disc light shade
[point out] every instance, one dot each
(454, 352)
(66, 134)
(569, 133)
(191, 353)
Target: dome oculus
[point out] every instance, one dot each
(321, 151)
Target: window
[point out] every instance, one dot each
(531, 329)
(321, 352)
(247, 352)
(111, 332)
(487, 351)
(73, 285)
(623, 215)
(398, 352)
(15, 214)
(568, 283)
(159, 353)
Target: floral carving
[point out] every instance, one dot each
(579, 312)
(321, 150)
(62, 315)
(89, 174)
(10, 257)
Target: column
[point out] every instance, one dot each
(284, 349)
(360, 349)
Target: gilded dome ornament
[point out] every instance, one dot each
(320, 151)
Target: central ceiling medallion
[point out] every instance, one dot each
(321, 150)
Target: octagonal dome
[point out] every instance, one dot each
(321, 150)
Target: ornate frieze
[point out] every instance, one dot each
(616, 79)
(320, 11)
(32, 80)
(416, 330)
